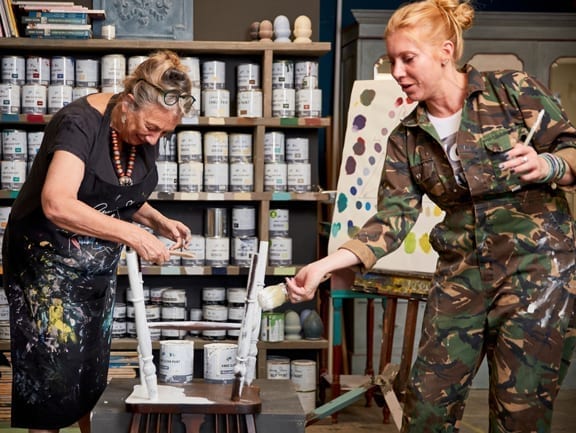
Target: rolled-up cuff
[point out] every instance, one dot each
(363, 252)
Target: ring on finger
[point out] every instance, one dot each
(524, 159)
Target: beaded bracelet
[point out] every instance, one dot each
(556, 165)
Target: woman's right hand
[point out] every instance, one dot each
(150, 248)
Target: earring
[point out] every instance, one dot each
(444, 62)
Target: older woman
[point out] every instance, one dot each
(90, 180)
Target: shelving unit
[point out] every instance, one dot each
(189, 207)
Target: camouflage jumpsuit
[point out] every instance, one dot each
(505, 280)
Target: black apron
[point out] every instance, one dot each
(61, 288)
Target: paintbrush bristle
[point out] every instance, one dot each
(271, 297)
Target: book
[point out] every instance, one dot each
(58, 33)
(49, 19)
(55, 26)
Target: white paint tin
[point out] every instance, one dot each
(236, 295)
(197, 246)
(134, 62)
(37, 70)
(174, 297)
(309, 82)
(249, 103)
(308, 102)
(167, 176)
(236, 313)
(217, 251)
(9, 98)
(118, 329)
(167, 148)
(172, 334)
(242, 176)
(112, 69)
(14, 145)
(189, 144)
(4, 213)
(303, 374)
(13, 70)
(153, 313)
(213, 75)
(275, 176)
(215, 313)
(243, 248)
(216, 177)
(299, 177)
(216, 102)
(243, 221)
(34, 99)
(170, 313)
(62, 70)
(304, 69)
(274, 147)
(283, 74)
(278, 368)
(283, 102)
(156, 294)
(278, 222)
(193, 65)
(280, 252)
(13, 174)
(195, 316)
(239, 147)
(59, 95)
(216, 146)
(307, 400)
(214, 294)
(4, 313)
(34, 139)
(176, 363)
(297, 149)
(272, 326)
(190, 176)
(248, 76)
(214, 334)
(87, 72)
(219, 362)
(4, 330)
(79, 92)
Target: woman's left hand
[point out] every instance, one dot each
(176, 231)
(525, 162)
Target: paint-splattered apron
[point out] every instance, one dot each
(61, 289)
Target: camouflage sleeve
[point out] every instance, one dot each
(399, 204)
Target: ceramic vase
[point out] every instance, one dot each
(312, 327)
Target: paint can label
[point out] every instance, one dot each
(176, 361)
(219, 362)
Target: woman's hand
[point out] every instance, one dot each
(525, 162)
(175, 231)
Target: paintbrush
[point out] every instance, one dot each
(534, 127)
(271, 297)
(183, 254)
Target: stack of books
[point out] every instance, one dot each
(57, 20)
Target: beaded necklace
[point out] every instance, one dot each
(124, 178)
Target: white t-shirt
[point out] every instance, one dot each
(447, 128)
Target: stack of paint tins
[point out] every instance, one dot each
(197, 248)
(241, 177)
(4, 316)
(87, 75)
(280, 248)
(34, 97)
(236, 298)
(217, 252)
(299, 171)
(173, 309)
(119, 315)
(112, 73)
(303, 375)
(214, 309)
(13, 78)
(308, 95)
(215, 150)
(244, 240)
(215, 96)
(14, 165)
(275, 170)
(249, 93)
(283, 91)
(190, 166)
(167, 164)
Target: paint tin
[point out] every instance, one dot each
(297, 149)
(280, 253)
(172, 313)
(13, 174)
(167, 148)
(307, 400)
(243, 248)
(213, 75)
(197, 247)
(217, 251)
(278, 368)
(172, 334)
(216, 102)
(215, 313)
(59, 95)
(34, 99)
(274, 147)
(216, 146)
(131, 329)
(4, 214)
(299, 177)
(112, 69)
(9, 98)
(243, 221)
(242, 176)
(248, 76)
(272, 327)
(167, 176)
(156, 294)
(174, 297)
(119, 312)
(240, 147)
(113, 88)
(275, 176)
(195, 316)
(14, 145)
(34, 139)
(214, 334)
(153, 313)
(283, 74)
(4, 330)
(235, 315)
(278, 222)
(303, 69)
(249, 103)
(214, 294)
(216, 177)
(189, 144)
(118, 328)
(303, 374)
(216, 223)
(309, 82)
(219, 362)
(176, 363)
(236, 295)
(37, 70)
(79, 92)
(14, 70)
(4, 313)
(87, 72)
(190, 176)
(62, 70)
(155, 333)
(283, 102)
(193, 65)
(3, 298)
(308, 102)
(134, 62)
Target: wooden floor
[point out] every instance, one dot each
(358, 419)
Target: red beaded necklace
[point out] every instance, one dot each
(124, 178)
